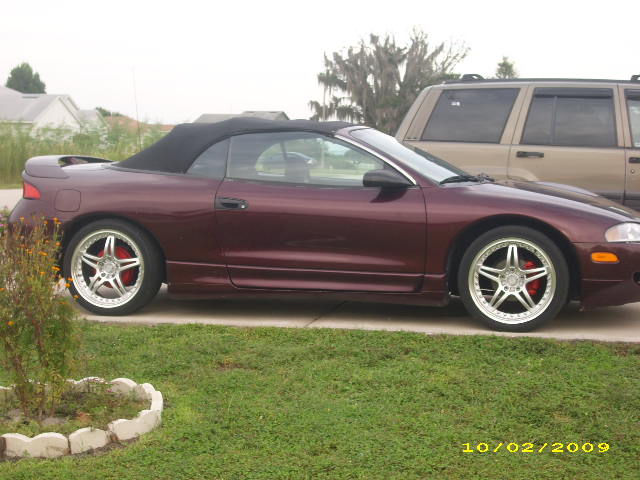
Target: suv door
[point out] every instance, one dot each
(632, 142)
(470, 127)
(568, 135)
(294, 214)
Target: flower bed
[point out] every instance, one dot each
(51, 444)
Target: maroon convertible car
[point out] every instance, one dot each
(257, 207)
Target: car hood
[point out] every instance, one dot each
(516, 194)
(573, 194)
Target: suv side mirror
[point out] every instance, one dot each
(385, 179)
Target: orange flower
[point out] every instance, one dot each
(76, 297)
(70, 279)
(68, 285)
(44, 254)
(11, 322)
(55, 219)
(1, 289)
(41, 273)
(57, 244)
(57, 269)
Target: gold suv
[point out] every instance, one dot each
(584, 133)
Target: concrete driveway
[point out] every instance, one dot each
(9, 197)
(614, 324)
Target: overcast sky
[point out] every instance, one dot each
(192, 57)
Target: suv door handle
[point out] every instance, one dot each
(634, 159)
(521, 154)
(223, 203)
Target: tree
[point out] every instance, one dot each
(376, 82)
(24, 80)
(506, 69)
(108, 113)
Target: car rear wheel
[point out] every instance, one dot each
(114, 267)
(513, 279)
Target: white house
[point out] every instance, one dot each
(45, 110)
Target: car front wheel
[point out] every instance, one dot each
(513, 279)
(114, 267)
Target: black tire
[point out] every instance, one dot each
(560, 286)
(152, 262)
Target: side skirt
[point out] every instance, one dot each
(199, 281)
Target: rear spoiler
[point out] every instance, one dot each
(50, 166)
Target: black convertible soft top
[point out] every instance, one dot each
(176, 151)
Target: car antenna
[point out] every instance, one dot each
(135, 100)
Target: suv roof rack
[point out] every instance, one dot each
(471, 76)
(474, 77)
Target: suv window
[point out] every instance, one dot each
(633, 107)
(212, 162)
(470, 115)
(577, 117)
(299, 158)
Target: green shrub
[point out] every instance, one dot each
(38, 334)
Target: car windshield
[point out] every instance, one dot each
(422, 162)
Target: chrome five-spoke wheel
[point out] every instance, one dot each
(107, 268)
(114, 267)
(513, 278)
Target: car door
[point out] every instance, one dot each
(631, 130)
(294, 214)
(568, 135)
(469, 127)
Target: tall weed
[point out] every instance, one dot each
(18, 143)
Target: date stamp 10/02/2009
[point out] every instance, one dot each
(530, 447)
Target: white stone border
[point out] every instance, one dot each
(51, 445)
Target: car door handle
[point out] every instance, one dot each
(522, 154)
(223, 203)
(634, 159)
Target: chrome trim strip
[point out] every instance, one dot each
(376, 154)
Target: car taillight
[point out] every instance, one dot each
(29, 191)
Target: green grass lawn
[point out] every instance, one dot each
(267, 403)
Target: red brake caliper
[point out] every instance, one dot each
(128, 276)
(532, 287)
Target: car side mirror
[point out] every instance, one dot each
(386, 179)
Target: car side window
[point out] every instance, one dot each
(211, 163)
(299, 158)
(470, 115)
(576, 117)
(633, 107)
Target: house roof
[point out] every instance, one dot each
(219, 117)
(24, 107)
(91, 116)
(8, 91)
